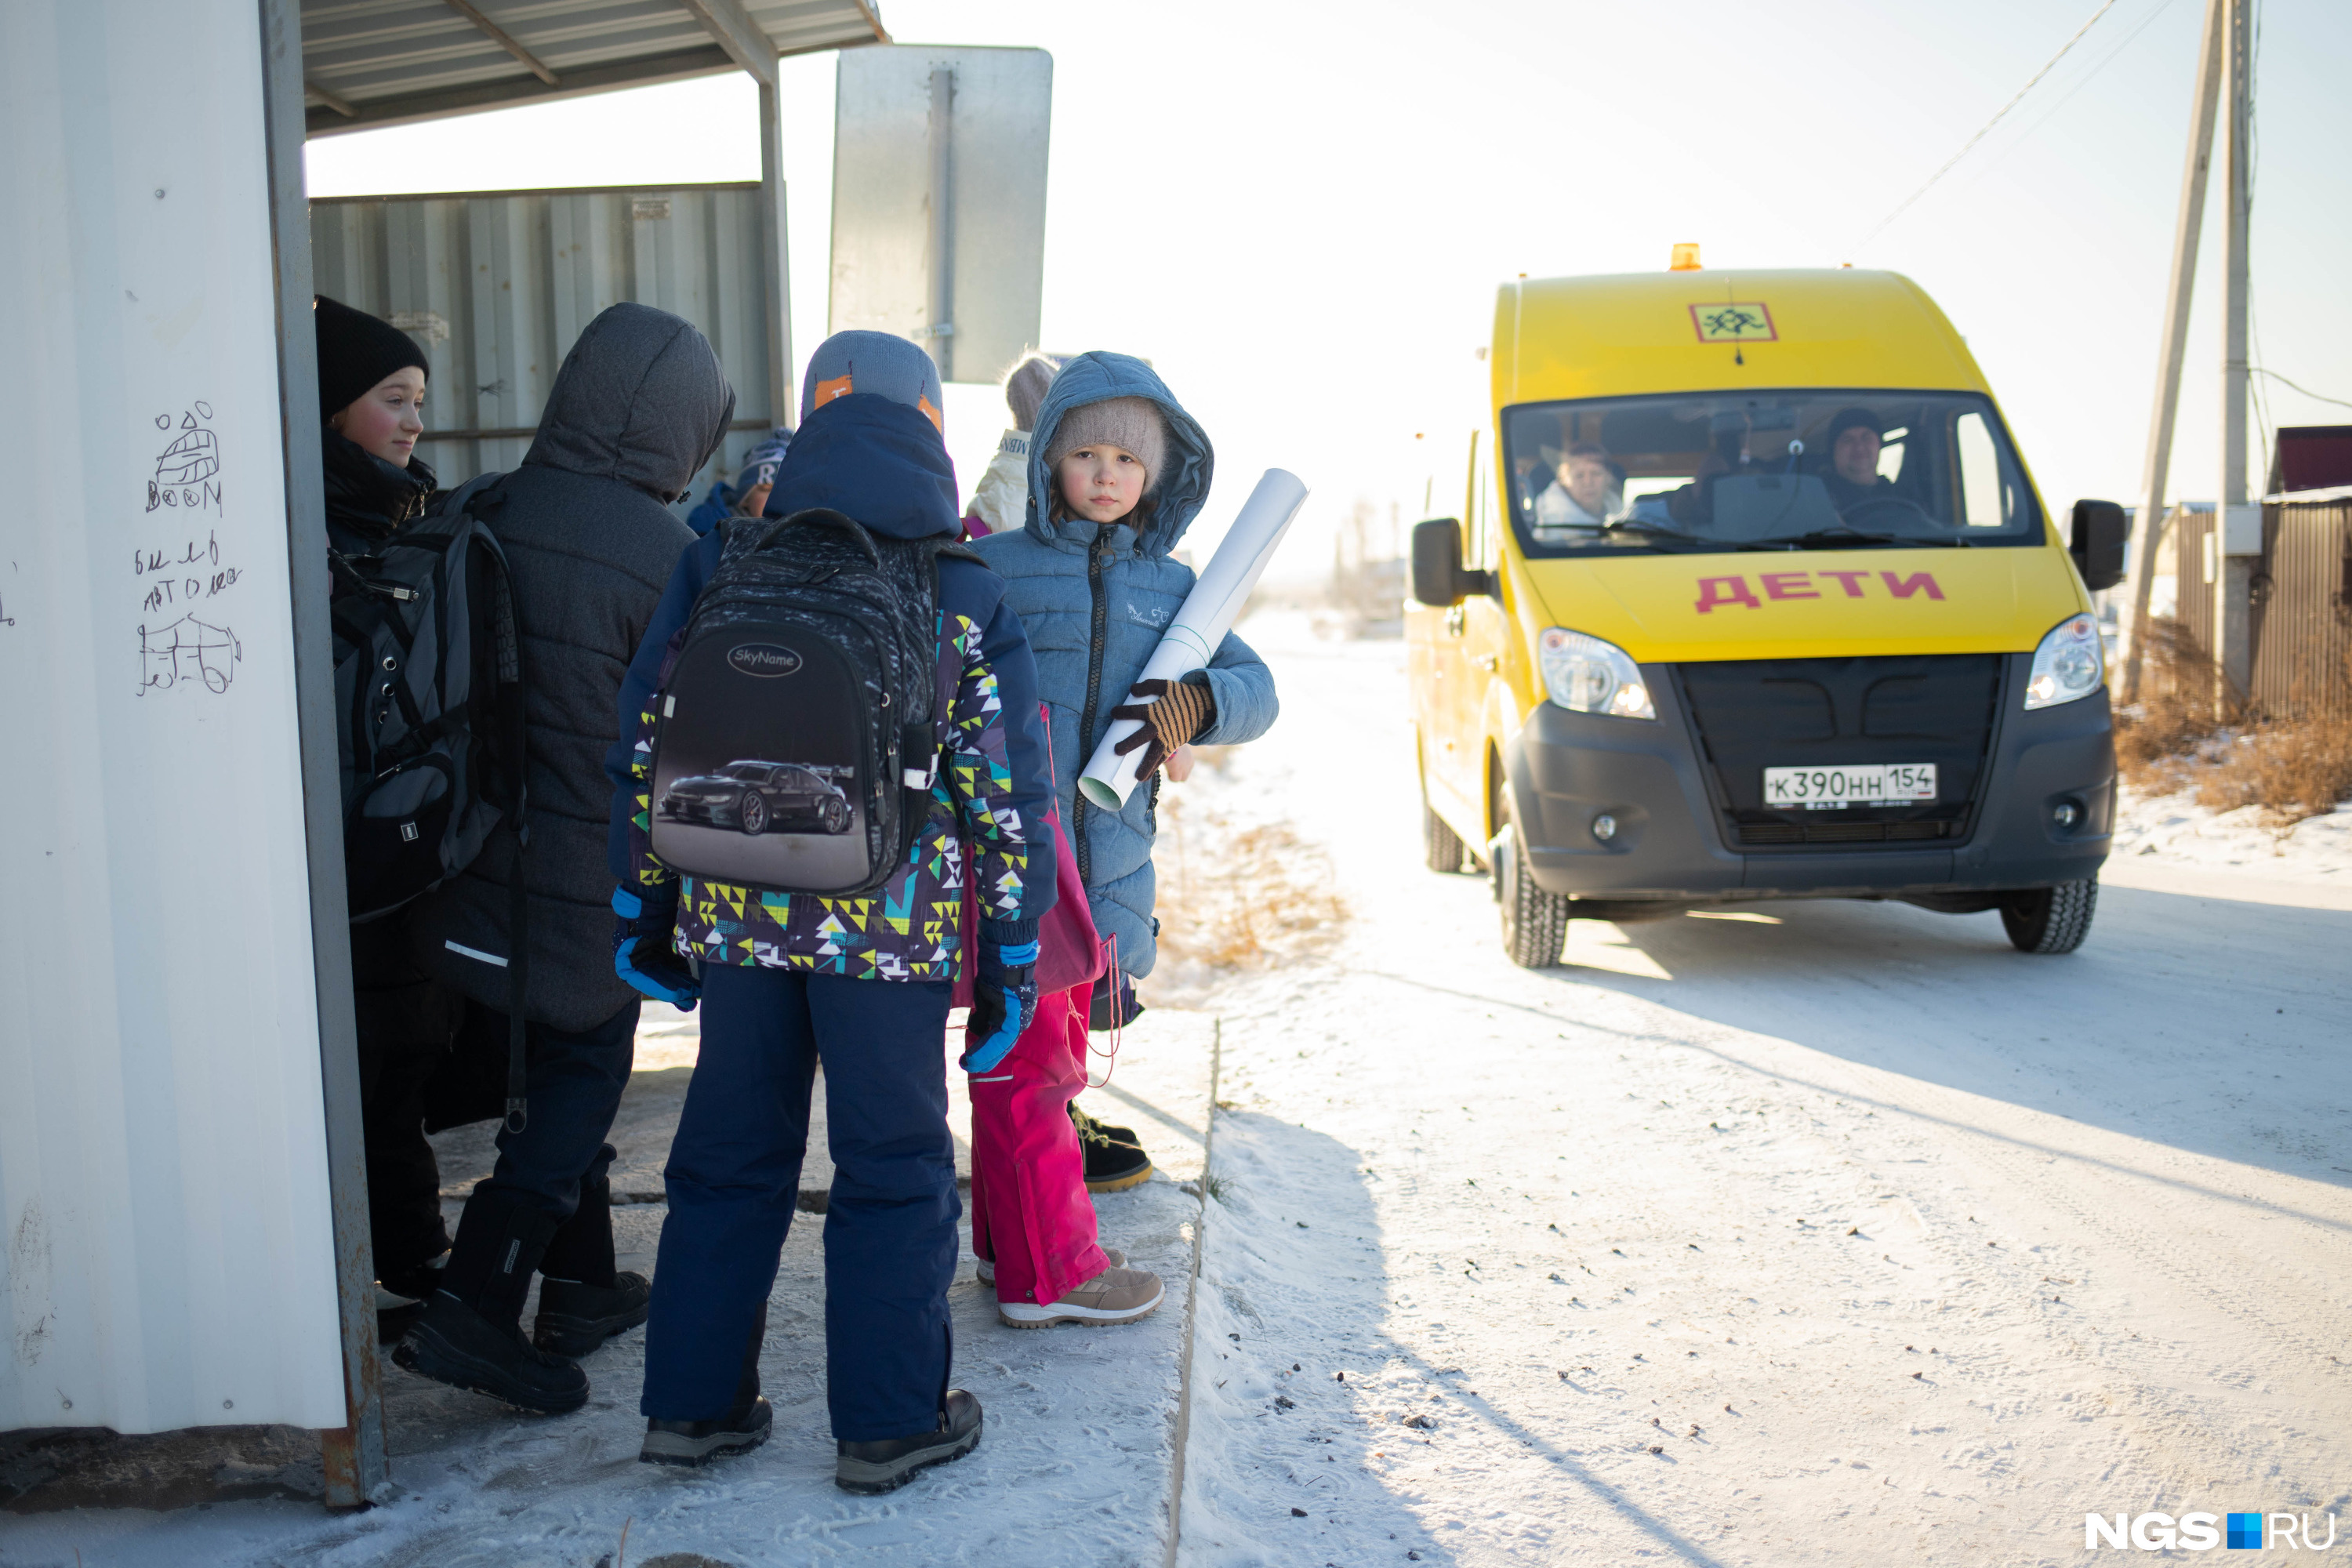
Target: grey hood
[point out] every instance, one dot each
(640, 399)
(1175, 496)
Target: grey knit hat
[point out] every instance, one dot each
(1131, 423)
(1025, 387)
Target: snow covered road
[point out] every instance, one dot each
(1810, 1233)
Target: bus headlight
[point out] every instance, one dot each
(1585, 675)
(2068, 665)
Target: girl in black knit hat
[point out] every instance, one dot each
(371, 400)
(370, 403)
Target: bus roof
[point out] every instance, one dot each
(1720, 331)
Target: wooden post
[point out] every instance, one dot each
(2240, 523)
(2148, 525)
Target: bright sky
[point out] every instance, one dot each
(1299, 212)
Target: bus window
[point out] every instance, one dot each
(1981, 487)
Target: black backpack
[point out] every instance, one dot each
(429, 720)
(802, 709)
(428, 690)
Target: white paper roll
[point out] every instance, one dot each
(1207, 615)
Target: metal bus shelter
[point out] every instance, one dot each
(183, 1184)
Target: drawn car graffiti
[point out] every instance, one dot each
(761, 797)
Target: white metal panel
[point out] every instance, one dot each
(498, 285)
(884, 232)
(166, 1251)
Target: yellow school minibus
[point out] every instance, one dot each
(1752, 597)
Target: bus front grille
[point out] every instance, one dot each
(1753, 714)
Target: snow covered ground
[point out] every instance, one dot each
(1829, 1233)
(2171, 833)
(1833, 1233)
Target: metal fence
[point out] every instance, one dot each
(2197, 567)
(498, 285)
(2301, 618)
(2300, 621)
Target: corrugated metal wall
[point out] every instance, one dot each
(2196, 544)
(498, 285)
(2301, 619)
(2301, 616)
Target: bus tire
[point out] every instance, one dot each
(1441, 847)
(2051, 919)
(1535, 923)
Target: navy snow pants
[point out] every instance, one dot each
(734, 1175)
(523, 1210)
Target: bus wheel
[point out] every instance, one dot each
(1535, 923)
(1441, 845)
(2051, 919)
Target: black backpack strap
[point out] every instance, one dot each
(514, 742)
(822, 517)
(947, 670)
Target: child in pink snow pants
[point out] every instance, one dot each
(1031, 1213)
(1033, 1222)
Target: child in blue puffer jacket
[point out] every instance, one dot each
(1118, 471)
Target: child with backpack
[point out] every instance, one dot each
(830, 712)
(371, 383)
(1116, 472)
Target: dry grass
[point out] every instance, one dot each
(2182, 737)
(2160, 745)
(1234, 898)
(2292, 771)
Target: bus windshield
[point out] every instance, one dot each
(1765, 470)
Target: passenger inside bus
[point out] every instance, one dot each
(1585, 491)
(1742, 470)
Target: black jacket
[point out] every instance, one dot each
(638, 408)
(369, 499)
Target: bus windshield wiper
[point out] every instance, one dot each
(1659, 531)
(1703, 541)
(1841, 537)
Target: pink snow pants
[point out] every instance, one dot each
(1031, 1213)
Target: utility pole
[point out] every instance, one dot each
(2148, 525)
(2240, 519)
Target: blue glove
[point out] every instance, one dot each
(644, 954)
(1003, 1003)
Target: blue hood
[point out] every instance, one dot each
(1177, 495)
(873, 459)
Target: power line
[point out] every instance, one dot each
(2084, 80)
(2314, 396)
(2105, 6)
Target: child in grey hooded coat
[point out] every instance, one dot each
(1095, 594)
(1095, 600)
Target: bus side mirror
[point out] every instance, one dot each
(1438, 579)
(2097, 544)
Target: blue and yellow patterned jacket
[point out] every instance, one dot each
(883, 463)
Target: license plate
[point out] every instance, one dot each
(1870, 783)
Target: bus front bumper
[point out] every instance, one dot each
(1566, 771)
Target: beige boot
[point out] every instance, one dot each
(1113, 1296)
(1111, 1255)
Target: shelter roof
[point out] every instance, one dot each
(370, 63)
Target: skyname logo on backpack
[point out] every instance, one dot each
(763, 659)
(2196, 1531)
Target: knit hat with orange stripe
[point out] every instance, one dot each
(879, 363)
